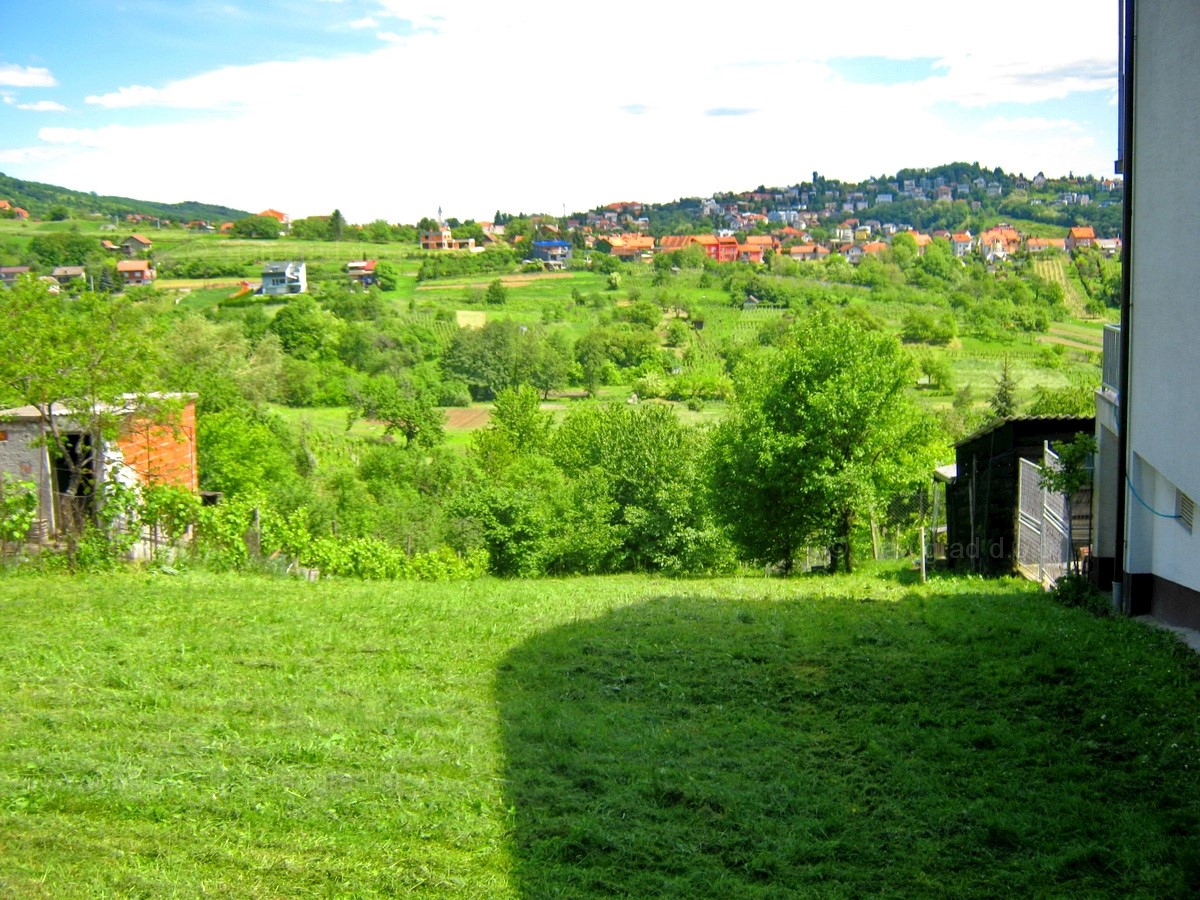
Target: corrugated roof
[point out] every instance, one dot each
(997, 423)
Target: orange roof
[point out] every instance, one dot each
(761, 239)
(141, 239)
(1045, 243)
(1081, 232)
(923, 240)
(132, 265)
(706, 239)
(962, 238)
(274, 214)
(673, 241)
(874, 247)
(4, 204)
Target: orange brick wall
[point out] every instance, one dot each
(163, 454)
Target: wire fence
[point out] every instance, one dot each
(1053, 530)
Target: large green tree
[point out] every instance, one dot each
(823, 430)
(402, 405)
(74, 361)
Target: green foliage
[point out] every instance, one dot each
(82, 356)
(447, 264)
(822, 431)
(1077, 591)
(1076, 398)
(62, 248)
(243, 454)
(304, 329)
(403, 406)
(613, 488)
(202, 267)
(1074, 472)
(263, 228)
(920, 327)
(1004, 399)
(168, 511)
(496, 293)
(387, 275)
(18, 509)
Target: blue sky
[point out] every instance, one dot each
(391, 108)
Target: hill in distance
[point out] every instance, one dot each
(40, 199)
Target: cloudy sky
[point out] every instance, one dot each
(392, 108)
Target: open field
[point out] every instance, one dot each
(630, 736)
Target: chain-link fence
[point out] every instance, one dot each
(905, 526)
(1053, 530)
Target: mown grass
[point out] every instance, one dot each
(627, 736)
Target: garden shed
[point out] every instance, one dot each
(155, 444)
(983, 518)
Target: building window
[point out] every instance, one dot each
(1184, 510)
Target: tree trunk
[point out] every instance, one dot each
(847, 530)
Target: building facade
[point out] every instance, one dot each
(1147, 410)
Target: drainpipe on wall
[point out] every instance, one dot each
(1128, 38)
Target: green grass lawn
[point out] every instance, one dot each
(627, 736)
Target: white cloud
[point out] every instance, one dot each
(489, 106)
(19, 156)
(25, 76)
(365, 22)
(43, 106)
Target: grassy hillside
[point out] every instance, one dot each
(595, 737)
(39, 199)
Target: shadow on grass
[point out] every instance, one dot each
(941, 746)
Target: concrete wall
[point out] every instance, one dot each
(1164, 396)
(23, 458)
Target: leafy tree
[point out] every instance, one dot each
(304, 329)
(821, 431)
(1077, 398)
(937, 372)
(552, 363)
(220, 364)
(403, 406)
(387, 275)
(643, 466)
(258, 227)
(74, 362)
(496, 293)
(244, 454)
(591, 351)
(921, 327)
(378, 232)
(517, 427)
(62, 248)
(485, 358)
(904, 250)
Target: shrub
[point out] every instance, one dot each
(1076, 591)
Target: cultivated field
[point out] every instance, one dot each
(193, 734)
